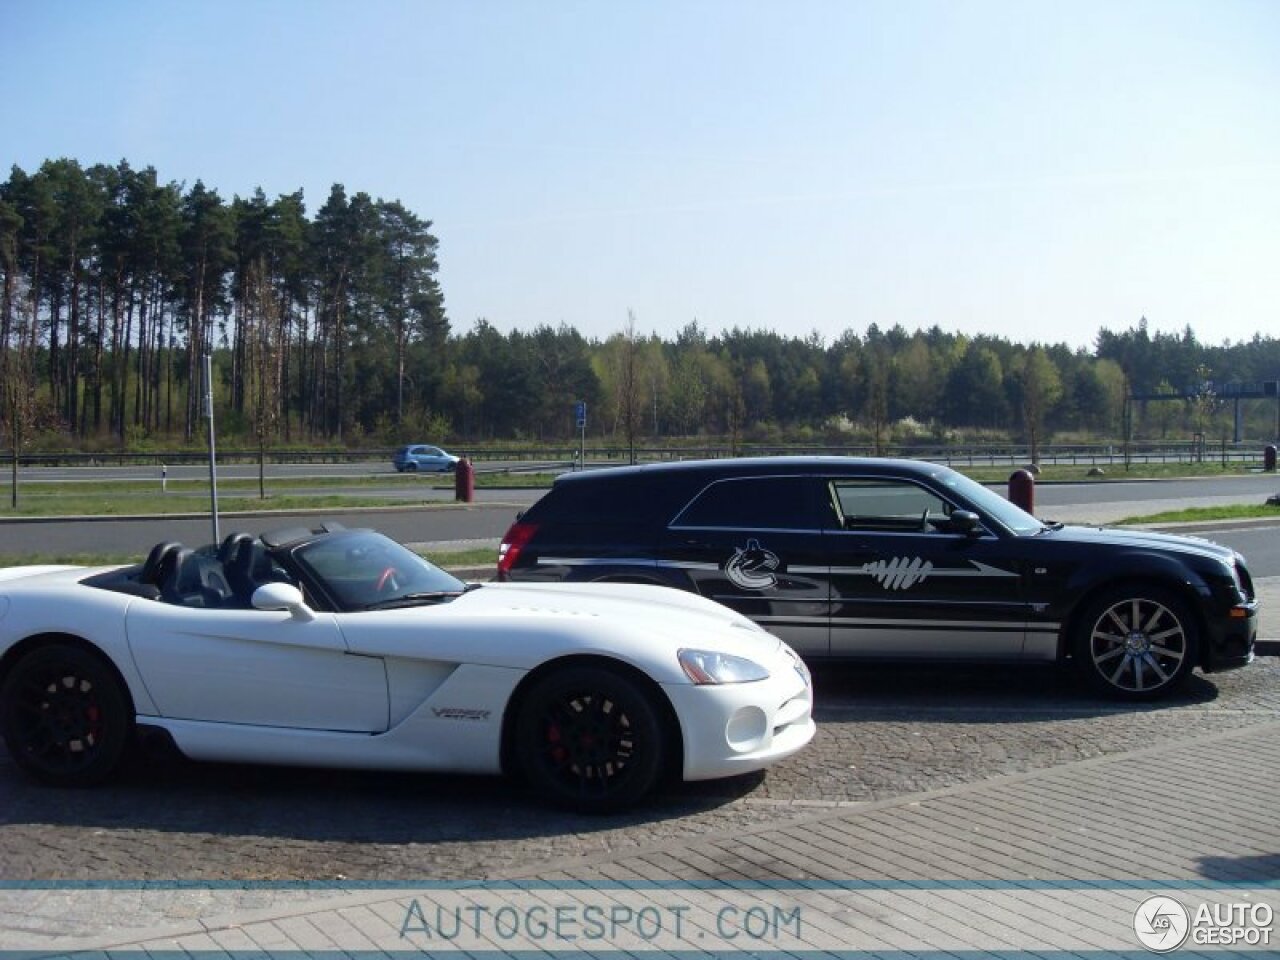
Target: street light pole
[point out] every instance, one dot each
(213, 465)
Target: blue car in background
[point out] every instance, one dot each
(420, 456)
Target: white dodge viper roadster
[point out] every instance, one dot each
(342, 648)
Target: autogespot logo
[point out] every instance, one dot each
(1161, 924)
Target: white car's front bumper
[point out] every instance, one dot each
(736, 728)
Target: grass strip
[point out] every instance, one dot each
(1242, 511)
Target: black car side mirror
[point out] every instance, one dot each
(964, 521)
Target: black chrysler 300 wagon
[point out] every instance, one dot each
(846, 558)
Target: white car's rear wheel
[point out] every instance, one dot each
(66, 720)
(590, 738)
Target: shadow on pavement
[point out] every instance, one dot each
(1265, 867)
(971, 692)
(159, 790)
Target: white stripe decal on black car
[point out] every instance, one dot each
(902, 573)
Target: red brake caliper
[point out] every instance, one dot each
(558, 753)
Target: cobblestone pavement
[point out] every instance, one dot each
(918, 775)
(883, 732)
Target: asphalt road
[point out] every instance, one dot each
(480, 521)
(492, 514)
(1116, 488)
(1254, 488)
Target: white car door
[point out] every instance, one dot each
(255, 667)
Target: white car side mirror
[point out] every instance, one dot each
(282, 596)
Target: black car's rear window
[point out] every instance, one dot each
(648, 500)
(761, 503)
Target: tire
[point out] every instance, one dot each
(1136, 643)
(66, 719)
(411, 467)
(589, 738)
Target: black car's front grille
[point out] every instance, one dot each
(1246, 581)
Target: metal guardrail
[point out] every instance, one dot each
(968, 455)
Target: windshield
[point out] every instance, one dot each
(362, 569)
(990, 503)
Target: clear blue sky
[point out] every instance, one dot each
(1034, 170)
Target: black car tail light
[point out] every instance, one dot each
(509, 550)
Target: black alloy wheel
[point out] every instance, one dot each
(590, 738)
(66, 719)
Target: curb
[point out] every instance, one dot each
(1103, 481)
(1191, 526)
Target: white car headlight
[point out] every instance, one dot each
(708, 667)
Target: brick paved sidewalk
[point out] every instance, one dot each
(1053, 860)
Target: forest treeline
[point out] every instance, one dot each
(332, 327)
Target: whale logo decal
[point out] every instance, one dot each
(751, 567)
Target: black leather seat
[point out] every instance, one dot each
(161, 555)
(177, 571)
(239, 566)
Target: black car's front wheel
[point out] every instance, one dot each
(589, 738)
(65, 717)
(1137, 643)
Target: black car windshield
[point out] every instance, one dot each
(363, 569)
(988, 502)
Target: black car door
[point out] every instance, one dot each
(906, 582)
(753, 543)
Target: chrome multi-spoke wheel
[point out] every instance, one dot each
(65, 719)
(589, 738)
(1137, 643)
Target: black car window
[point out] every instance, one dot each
(887, 504)
(757, 503)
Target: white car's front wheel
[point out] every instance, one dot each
(590, 738)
